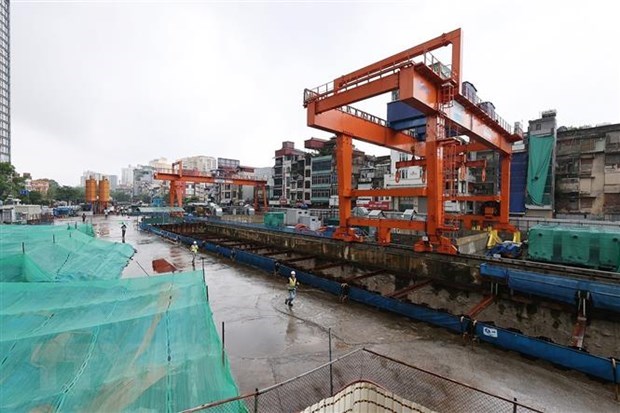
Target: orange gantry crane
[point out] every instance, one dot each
(432, 88)
(179, 177)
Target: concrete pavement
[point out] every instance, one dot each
(267, 342)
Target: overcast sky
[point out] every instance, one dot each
(101, 85)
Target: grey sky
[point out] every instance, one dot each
(102, 85)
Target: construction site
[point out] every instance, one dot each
(453, 305)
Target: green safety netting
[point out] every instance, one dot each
(540, 151)
(76, 343)
(58, 253)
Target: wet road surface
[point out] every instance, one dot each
(267, 342)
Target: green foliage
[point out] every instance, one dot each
(10, 182)
(69, 194)
(120, 196)
(52, 191)
(35, 198)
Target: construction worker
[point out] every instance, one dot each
(344, 292)
(123, 230)
(292, 289)
(194, 250)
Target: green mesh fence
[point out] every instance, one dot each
(586, 246)
(58, 253)
(89, 341)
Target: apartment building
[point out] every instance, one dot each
(588, 172)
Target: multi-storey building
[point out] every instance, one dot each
(38, 185)
(5, 82)
(265, 174)
(541, 141)
(160, 163)
(289, 172)
(588, 171)
(310, 178)
(127, 176)
(203, 165)
(323, 176)
(200, 163)
(373, 175)
(143, 182)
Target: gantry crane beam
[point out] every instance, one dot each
(368, 129)
(395, 61)
(419, 87)
(167, 176)
(178, 177)
(400, 191)
(388, 223)
(371, 129)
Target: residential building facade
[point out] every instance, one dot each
(200, 163)
(289, 176)
(588, 172)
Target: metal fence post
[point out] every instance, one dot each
(331, 374)
(223, 343)
(615, 374)
(514, 405)
(256, 400)
(23, 248)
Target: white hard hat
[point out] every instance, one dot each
(292, 272)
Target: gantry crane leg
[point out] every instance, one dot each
(344, 160)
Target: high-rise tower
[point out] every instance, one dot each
(5, 82)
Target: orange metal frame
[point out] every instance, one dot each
(423, 86)
(178, 177)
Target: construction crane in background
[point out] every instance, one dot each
(454, 125)
(179, 177)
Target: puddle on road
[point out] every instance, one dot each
(267, 336)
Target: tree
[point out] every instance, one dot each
(35, 198)
(69, 194)
(10, 181)
(120, 196)
(52, 191)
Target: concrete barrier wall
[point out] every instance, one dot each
(402, 261)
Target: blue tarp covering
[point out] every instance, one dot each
(518, 181)
(564, 356)
(604, 296)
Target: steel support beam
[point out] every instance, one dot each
(404, 291)
(481, 306)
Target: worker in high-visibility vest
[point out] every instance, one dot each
(292, 289)
(194, 250)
